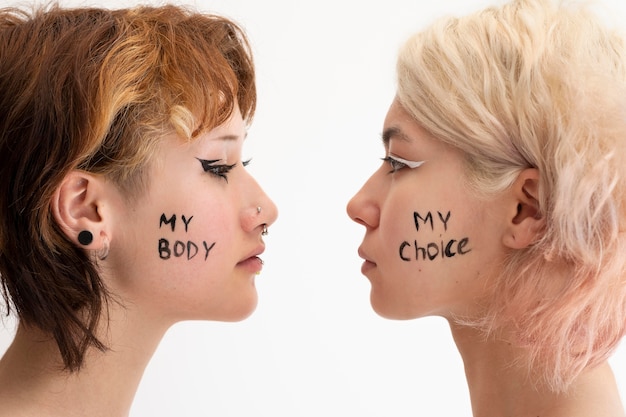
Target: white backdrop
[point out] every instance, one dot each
(314, 347)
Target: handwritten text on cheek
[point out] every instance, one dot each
(181, 249)
(444, 248)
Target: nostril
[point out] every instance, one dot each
(359, 221)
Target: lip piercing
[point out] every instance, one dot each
(264, 231)
(258, 209)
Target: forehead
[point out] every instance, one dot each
(223, 142)
(232, 129)
(400, 128)
(230, 134)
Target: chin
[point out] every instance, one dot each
(388, 314)
(390, 310)
(242, 315)
(382, 308)
(242, 310)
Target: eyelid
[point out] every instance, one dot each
(219, 170)
(208, 164)
(410, 164)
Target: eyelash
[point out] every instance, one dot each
(221, 170)
(398, 163)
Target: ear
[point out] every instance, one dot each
(77, 206)
(525, 221)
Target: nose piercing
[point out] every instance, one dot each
(264, 231)
(258, 209)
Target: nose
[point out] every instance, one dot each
(363, 207)
(260, 211)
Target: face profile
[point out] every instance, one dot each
(499, 204)
(125, 203)
(194, 237)
(427, 248)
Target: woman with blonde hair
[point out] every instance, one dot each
(125, 206)
(501, 203)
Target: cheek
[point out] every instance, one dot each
(193, 235)
(421, 231)
(180, 257)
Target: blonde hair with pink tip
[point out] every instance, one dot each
(535, 84)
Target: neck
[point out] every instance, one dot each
(32, 381)
(500, 388)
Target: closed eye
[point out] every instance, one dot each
(397, 163)
(212, 167)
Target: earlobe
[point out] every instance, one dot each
(525, 219)
(74, 206)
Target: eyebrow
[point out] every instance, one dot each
(394, 132)
(228, 137)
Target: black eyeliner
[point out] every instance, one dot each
(208, 165)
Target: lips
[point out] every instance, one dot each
(368, 263)
(252, 261)
(364, 256)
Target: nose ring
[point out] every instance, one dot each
(264, 231)
(258, 209)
